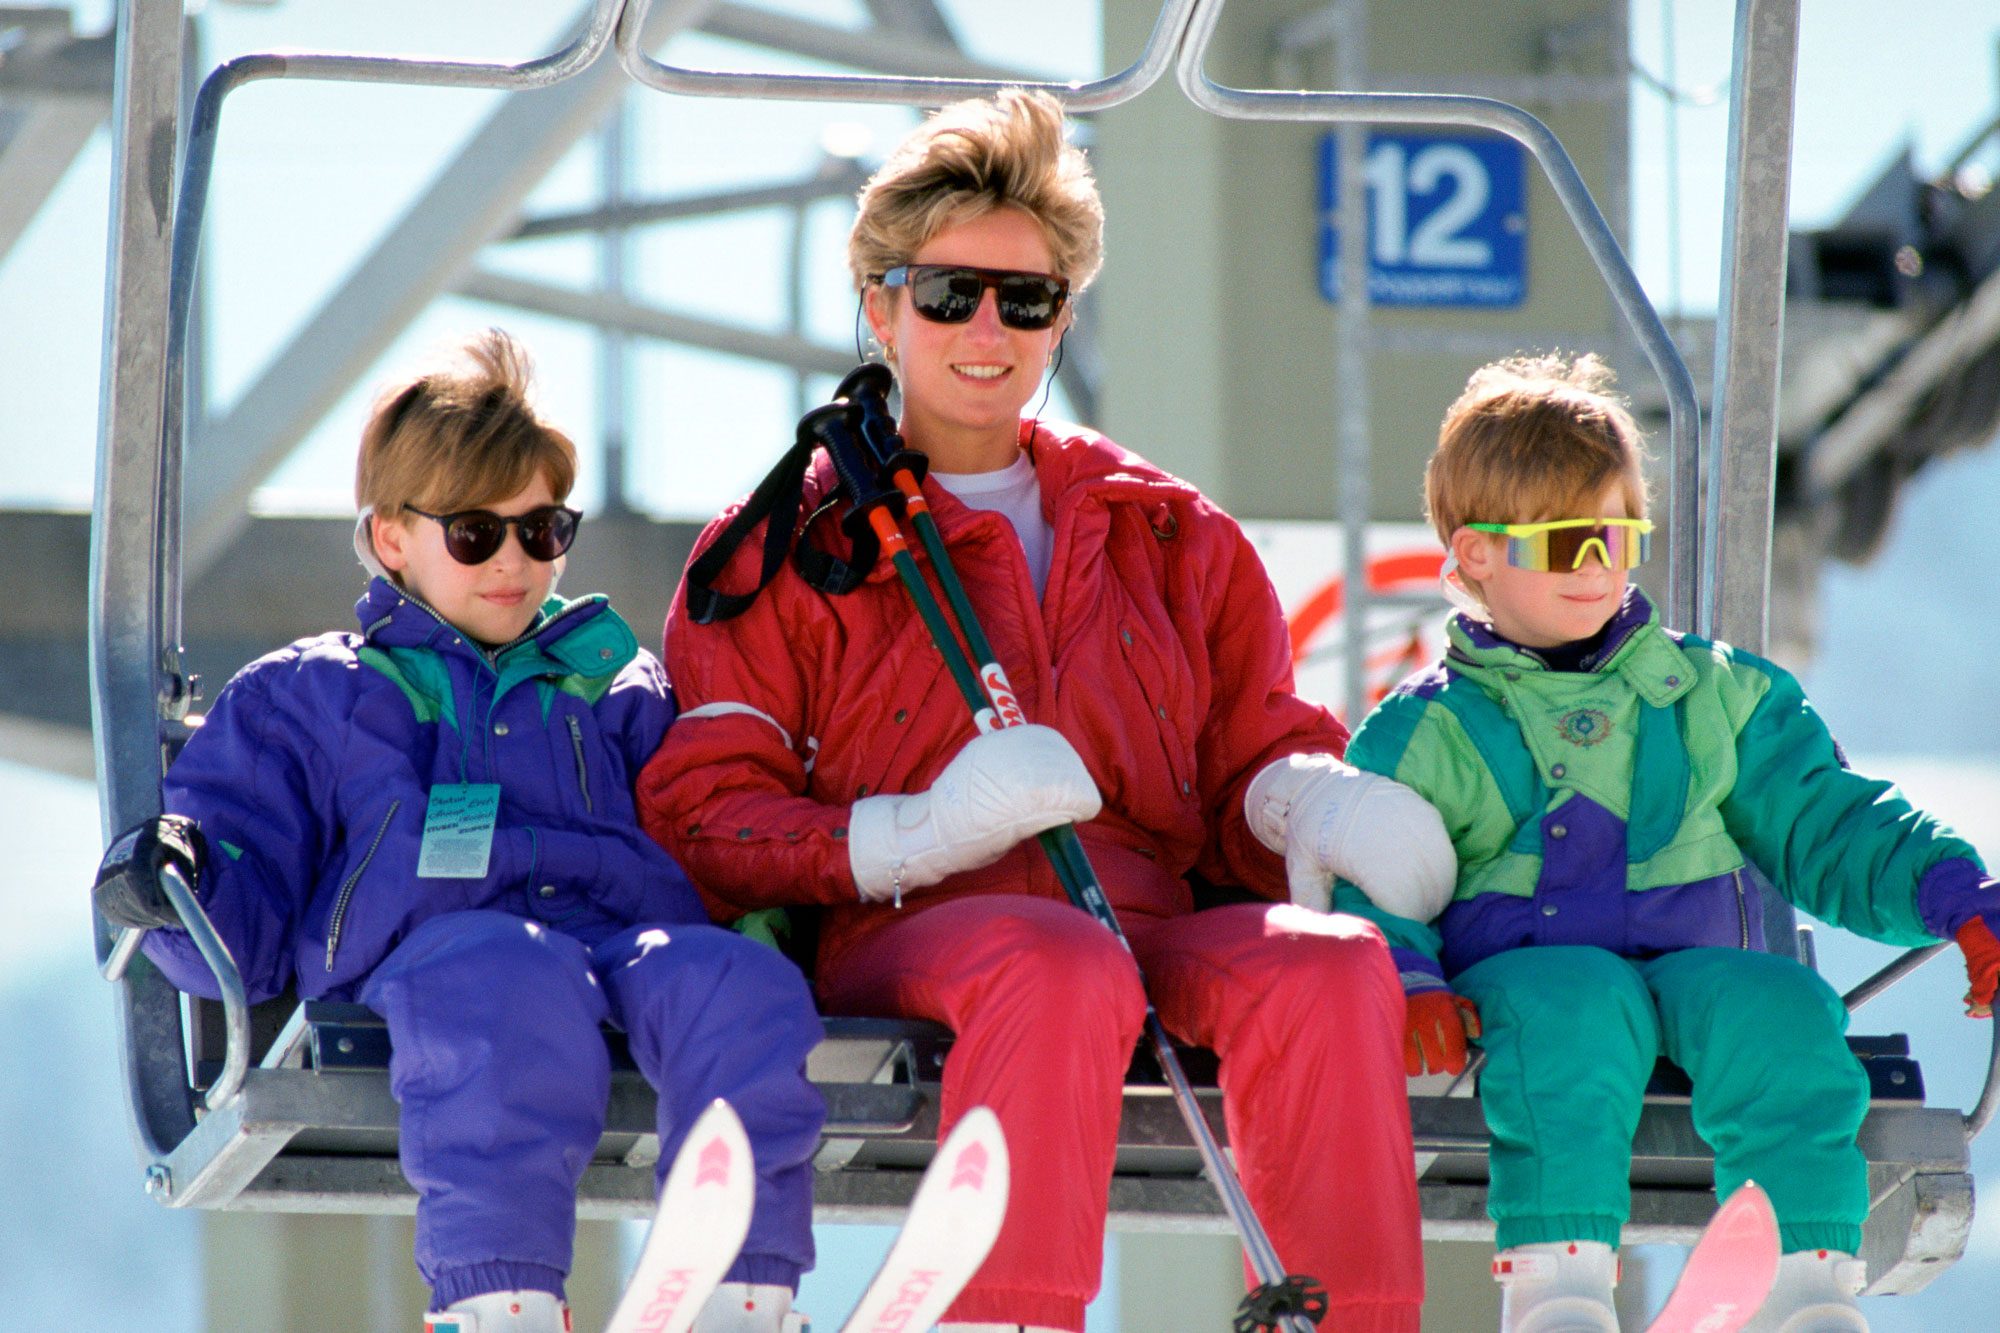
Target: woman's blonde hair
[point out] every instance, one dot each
(1534, 438)
(461, 435)
(969, 159)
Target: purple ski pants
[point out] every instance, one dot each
(502, 1075)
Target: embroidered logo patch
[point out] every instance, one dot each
(1584, 726)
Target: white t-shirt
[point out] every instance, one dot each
(1014, 494)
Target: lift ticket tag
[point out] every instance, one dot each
(458, 830)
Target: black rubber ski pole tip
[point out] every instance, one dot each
(1264, 1308)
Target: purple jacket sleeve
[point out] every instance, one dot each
(254, 778)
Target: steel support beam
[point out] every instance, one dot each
(877, 50)
(838, 177)
(472, 201)
(54, 93)
(1743, 424)
(131, 683)
(919, 18)
(1883, 411)
(611, 312)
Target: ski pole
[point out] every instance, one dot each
(1289, 1301)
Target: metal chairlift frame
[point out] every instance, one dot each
(312, 1127)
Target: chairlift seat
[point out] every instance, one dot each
(314, 1129)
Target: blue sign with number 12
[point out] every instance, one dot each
(1447, 220)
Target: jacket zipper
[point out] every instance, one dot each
(1742, 909)
(347, 889)
(582, 769)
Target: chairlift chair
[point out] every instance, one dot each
(286, 1106)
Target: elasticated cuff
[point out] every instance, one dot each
(1419, 971)
(1509, 1232)
(459, 1284)
(765, 1270)
(1796, 1236)
(1000, 1305)
(1951, 893)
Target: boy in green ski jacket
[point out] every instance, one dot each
(1609, 785)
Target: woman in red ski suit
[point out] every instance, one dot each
(824, 757)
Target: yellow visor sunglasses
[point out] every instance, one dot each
(1561, 544)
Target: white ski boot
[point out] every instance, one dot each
(1814, 1293)
(1557, 1287)
(746, 1307)
(996, 1328)
(502, 1312)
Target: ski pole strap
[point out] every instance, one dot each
(777, 498)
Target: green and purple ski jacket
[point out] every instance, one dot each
(1616, 805)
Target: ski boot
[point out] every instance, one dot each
(502, 1312)
(1814, 1293)
(995, 1328)
(1557, 1287)
(746, 1307)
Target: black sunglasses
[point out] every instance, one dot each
(950, 293)
(472, 536)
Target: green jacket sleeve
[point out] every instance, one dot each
(1400, 931)
(1382, 745)
(1848, 849)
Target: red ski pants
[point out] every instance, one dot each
(1305, 1012)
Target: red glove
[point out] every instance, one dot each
(1982, 966)
(1438, 1025)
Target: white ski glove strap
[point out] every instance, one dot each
(1002, 787)
(1330, 820)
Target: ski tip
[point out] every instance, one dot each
(719, 1146)
(1746, 1217)
(976, 1150)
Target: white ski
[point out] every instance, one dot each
(703, 1216)
(953, 1222)
(1730, 1270)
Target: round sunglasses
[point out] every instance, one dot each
(950, 293)
(472, 536)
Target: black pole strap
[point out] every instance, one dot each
(777, 498)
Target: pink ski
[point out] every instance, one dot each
(703, 1216)
(1730, 1270)
(953, 1222)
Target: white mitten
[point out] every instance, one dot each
(1002, 787)
(1328, 819)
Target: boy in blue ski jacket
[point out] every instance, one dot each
(434, 816)
(1608, 784)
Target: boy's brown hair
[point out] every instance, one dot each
(1533, 438)
(461, 435)
(969, 159)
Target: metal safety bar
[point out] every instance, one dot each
(135, 585)
(1683, 408)
(191, 204)
(1983, 1110)
(1736, 552)
(235, 1000)
(1095, 95)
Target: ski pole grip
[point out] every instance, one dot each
(866, 488)
(866, 393)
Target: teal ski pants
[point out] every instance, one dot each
(1571, 1035)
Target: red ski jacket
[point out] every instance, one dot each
(1159, 650)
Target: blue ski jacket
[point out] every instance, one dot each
(1618, 805)
(313, 774)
